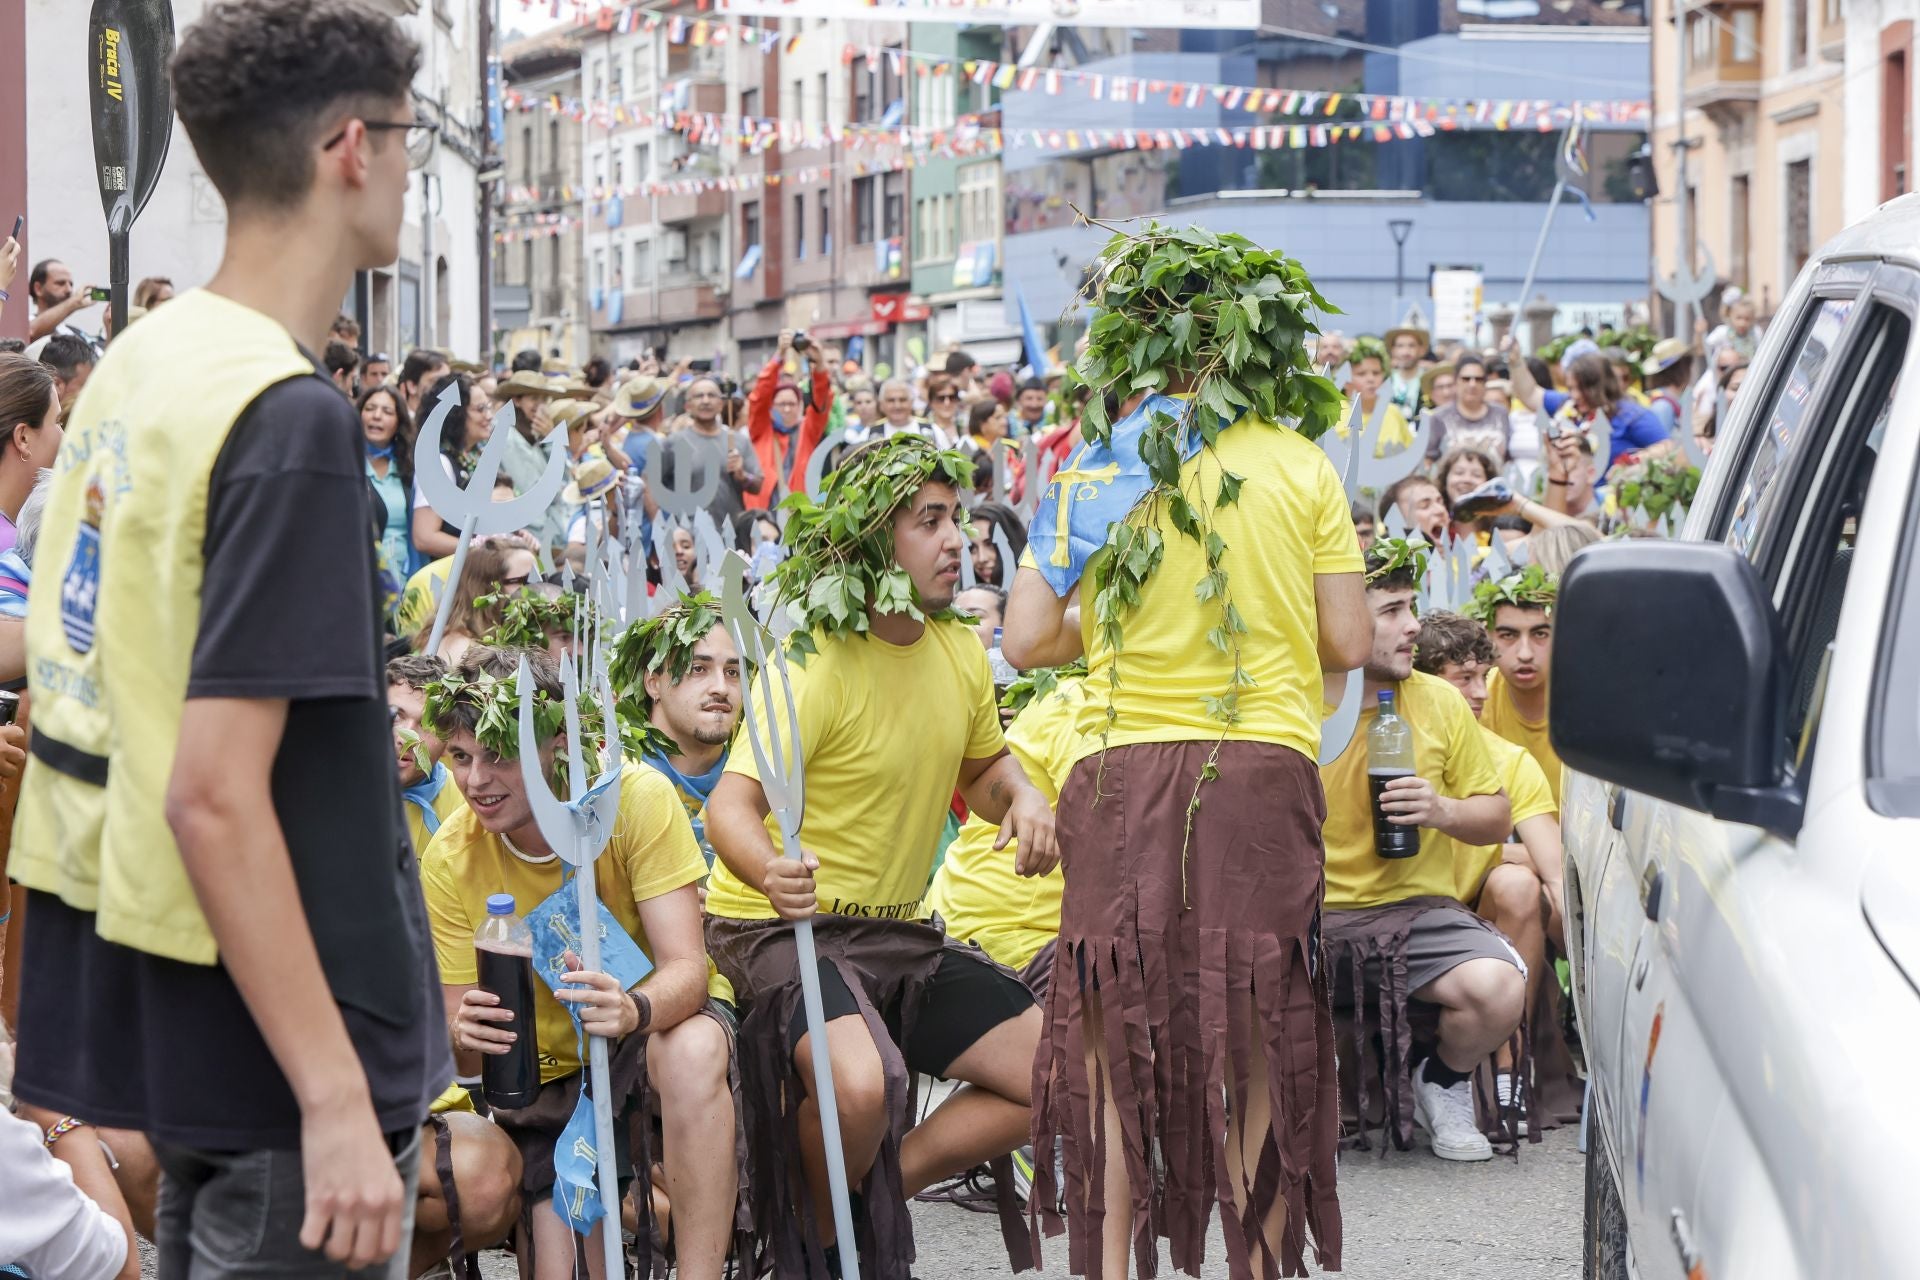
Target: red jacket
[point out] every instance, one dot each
(771, 446)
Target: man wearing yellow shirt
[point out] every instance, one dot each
(672, 1031)
(1400, 921)
(1518, 612)
(895, 709)
(428, 789)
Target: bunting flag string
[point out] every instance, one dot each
(1498, 113)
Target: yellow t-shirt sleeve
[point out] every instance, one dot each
(661, 853)
(1336, 545)
(447, 917)
(1469, 769)
(1527, 790)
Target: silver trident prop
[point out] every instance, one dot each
(777, 752)
(578, 833)
(473, 508)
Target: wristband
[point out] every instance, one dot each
(5, 296)
(62, 1127)
(642, 1011)
(1561, 484)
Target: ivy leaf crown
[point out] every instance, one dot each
(1530, 588)
(528, 618)
(664, 642)
(1040, 683)
(494, 702)
(1388, 554)
(839, 562)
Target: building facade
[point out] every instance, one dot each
(539, 275)
(1759, 90)
(1879, 99)
(430, 296)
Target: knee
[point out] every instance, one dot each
(486, 1179)
(689, 1062)
(1511, 896)
(1493, 991)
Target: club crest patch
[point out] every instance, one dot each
(80, 589)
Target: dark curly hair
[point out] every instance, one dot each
(1380, 578)
(1446, 638)
(257, 81)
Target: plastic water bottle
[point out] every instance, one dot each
(1389, 756)
(503, 946)
(1004, 672)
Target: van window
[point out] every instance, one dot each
(1760, 487)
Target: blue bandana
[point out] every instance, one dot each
(694, 789)
(425, 792)
(379, 450)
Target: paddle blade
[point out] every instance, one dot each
(130, 43)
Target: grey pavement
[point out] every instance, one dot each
(1409, 1214)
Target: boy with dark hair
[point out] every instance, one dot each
(1518, 612)
(342, 360)
(71, 359)
(670, 1035)
(256, 992)
(425, 784)
(527, 360)
(421, 369)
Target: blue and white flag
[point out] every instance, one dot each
(1098, 486)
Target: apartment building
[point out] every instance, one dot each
(1879, 101)
(539, 289)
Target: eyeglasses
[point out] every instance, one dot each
(1466, 378)
(414, 133)
(947, 395)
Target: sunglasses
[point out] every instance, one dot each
(1468, 378)
(947, 395)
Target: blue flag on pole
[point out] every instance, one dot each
(1030, 337)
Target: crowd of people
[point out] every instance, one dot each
(276, 787)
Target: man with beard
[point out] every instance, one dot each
(685, 672)
(425, 784)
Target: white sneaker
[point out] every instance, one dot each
(1510, 1092)
(1447, 1116)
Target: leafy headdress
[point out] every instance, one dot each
(528, 618)
(1366, 346)
(664, 642)
(839, 560)
(494, 701)
(1531, 588)
(1041, 682)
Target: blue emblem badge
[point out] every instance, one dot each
(80, 589)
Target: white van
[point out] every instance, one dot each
(1739, 711)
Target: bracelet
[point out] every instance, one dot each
(5, 296)
(64, 1126)
(642, 1010)
(1559, 484)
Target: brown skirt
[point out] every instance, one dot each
(1179, 930)
(886, 965)
(535, 1127)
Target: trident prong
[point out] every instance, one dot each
(783, 779)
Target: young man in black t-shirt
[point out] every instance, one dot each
(285, 1083)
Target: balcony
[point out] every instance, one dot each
(687, 208)
(1724, 65)
(679, 299)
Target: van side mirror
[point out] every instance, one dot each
(1670, 679)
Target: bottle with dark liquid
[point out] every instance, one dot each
(503, 946)
(1389, 756)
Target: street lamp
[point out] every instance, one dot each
(1401, 228)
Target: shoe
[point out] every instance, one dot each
(1023, 1173)
(1511, 1094)
(1447, 1116)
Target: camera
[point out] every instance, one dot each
(800, 340)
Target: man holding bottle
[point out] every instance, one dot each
(672, 1032)
(1390, 912)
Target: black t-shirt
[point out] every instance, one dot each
(289, 609)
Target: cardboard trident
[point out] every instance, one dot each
(777, 752)
(473, 508)
(578, 831)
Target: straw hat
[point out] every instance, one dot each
(1424, 338)
(564, 413)
(554, 364)
(593, 476)
(638, 397)
(526, 383)
(467, 367)
(1432, 376)
(1666, 353)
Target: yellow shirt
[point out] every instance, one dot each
(416, 602)
(445, 805)
(1395, 432)
(883, 729)
(651, 852)
(1450, 752)
(976, 891)
(1291, 523)
(1527, 792)
(1501, 716)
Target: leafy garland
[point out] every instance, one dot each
(529, 618)
(497, 725)
(1388, 554)
(662, 642)
(1032, 686)
(1637, 342)
(839, 562)
(1530, 588)
(1656, 485)
(1366, 346)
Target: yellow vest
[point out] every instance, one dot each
(110, 633)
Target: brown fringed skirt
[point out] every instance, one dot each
(887, 966)
(1172, 946)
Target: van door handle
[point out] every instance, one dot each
(1653, 884)
(1617, 809)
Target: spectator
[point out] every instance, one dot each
(963, 369)
(9, 268)
(154, 290)
(1594, 390)
(345, 329)
(785, 426)
(986, 603)
(1030, 409)
(341, 361)
(1553, 549)
(1707, 428)
(50, 287)
(943, 409)
(16, 563)
(1369, 372)
(986, 426)
(1436, 388)
(495, 569)
(1407, 347)
(596, 372)
(1471, 421)
(1423, 507)
(1460, 473)
(985, 519)
(389, 444)
(1572, 478)
(30, 413)
(863, 403)
(71, 360)
(421, 369)
(1668, 372)
(465, 431)
(373, 373)
(1363, 525)
(1330, 354)
(1741, 331)
(525, 360)
(1000, 387)
(741, 468)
